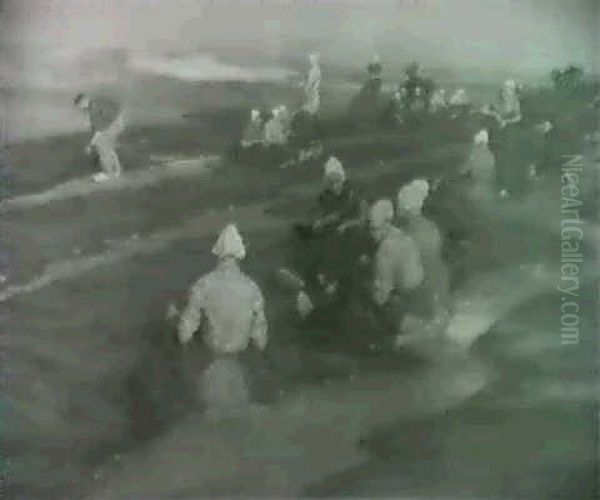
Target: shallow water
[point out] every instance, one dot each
(91, 363)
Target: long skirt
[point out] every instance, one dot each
(217, 383)
(512, 159)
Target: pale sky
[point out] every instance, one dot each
(519, 34)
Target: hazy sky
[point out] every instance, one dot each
(518, 34)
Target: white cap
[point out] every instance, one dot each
(481, 137)
(254, 114)
(381, 213)
(333, 166)
(510, 84)
(230, 244)
(412, 196)
(314, 57)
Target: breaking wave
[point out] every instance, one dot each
(134, 180)
(197, 68)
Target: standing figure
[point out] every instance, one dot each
(374, 70)
(512, 171)
(227, 308)
(107, 123)
(312, 87)
(397, 266)
(274, 129)
(430, 302)
(480, 167)
(393, 115)
(366, 105)
(285, 119)
(438, 101)
(254, 132)
(418, 103)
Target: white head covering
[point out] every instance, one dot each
(275, 112)
(510, 85)
(412, 196)
(333, 166)
(282, 108)
(313, 58)
(482, 137)
(254, 114)
(381, 213)
(230, 244)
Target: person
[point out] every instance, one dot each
(429, 304)
(459, 98)
(375, 82)
(393, 115)
(286, 120)
(107, 122)
(332, 241)
(418, 103)
(366, 105)
(438, 101)
(511, 172)
(374, 69)
(480, 166)
(274, 130)
(397, 268)
(254, 132)
(312, 87)
(341, 207)
(227, 308)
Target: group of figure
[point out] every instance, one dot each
(406, 287)
(277, 127)
(390, 255)
(386, 256)
(268, 129)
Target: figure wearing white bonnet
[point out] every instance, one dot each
(274, 129)
(481, 138)
(253, 133)
(334, 168)
(312, 86)
(396, 264)
(412, 196)
(381, 213)
(480, 165)
(230, 244)
(510, 85)
(227, 327)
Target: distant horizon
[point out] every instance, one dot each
(58, 46)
